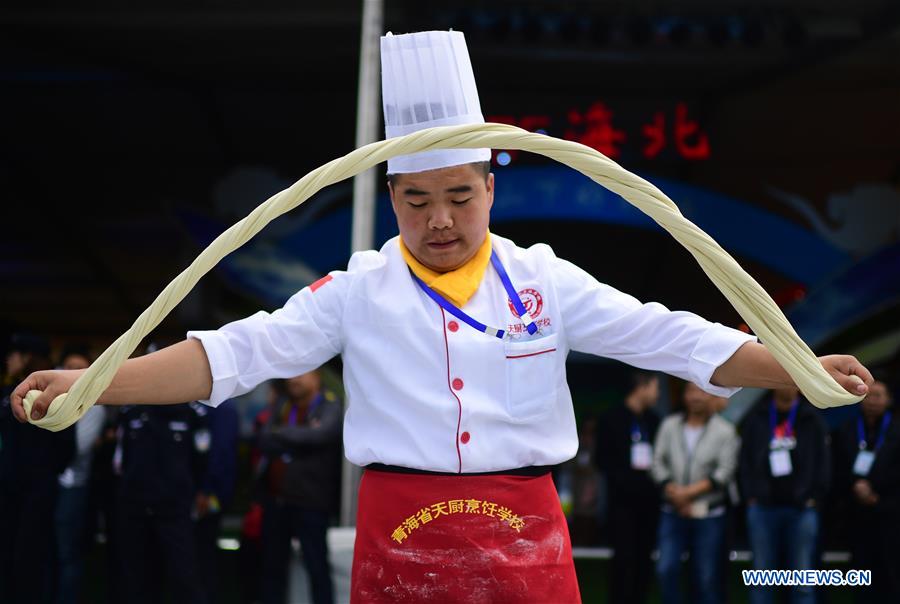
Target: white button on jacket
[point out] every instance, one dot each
(415, 383)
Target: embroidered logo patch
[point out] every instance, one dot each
(532, 300)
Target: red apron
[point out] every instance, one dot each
(497, 538)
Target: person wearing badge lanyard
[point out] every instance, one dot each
(302, 444)
(785, 473)
(454, 342)
(624, 455)
(867, 474)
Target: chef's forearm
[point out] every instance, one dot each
(751, 366)
(177, 374)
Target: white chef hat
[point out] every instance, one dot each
(427, 81)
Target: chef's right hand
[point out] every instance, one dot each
(51, 383)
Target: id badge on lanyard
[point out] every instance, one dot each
(865, 458)
(863, 463)
(641, 451)
(780, 462)
(781, 444)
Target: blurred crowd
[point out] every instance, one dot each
(694, 486)
(153, 483)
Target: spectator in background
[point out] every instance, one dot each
(867, 474)
(72, 506)
(694, 460)
(625, 456)
(216, 488)
(31, 459)
(301, 442)
(785, 472)
(160, 455)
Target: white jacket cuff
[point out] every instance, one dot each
(222, 364)
(716, 346)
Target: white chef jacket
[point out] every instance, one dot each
(427, 391)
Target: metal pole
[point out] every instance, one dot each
(368, 109)
(368, 112)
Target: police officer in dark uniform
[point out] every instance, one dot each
(161, 454)
(301, 440)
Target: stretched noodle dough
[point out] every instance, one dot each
(744, 293)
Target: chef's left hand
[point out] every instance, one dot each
(848, 372)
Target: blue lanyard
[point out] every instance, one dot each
(882, 431)
(459, 314)
(637, 435)
(292, 416)
(513, 295)
(792, 417)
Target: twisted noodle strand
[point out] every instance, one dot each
(747, 297)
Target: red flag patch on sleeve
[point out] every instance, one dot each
(314, 286)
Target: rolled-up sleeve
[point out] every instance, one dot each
(295, 339)
(601, 320)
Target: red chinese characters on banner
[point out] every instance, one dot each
(597, 128)
(594, 128)
(690, 142)
(656, 133)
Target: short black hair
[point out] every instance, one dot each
(34, 345)
(29, 343)
(482, 167)
(639, 377)
(80, 349)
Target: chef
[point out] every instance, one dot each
(454, 342)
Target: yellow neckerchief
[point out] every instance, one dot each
(457, 285)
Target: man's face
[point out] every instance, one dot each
(302, 386)
(75, 361)
(785, 397)
(695, 399)
(16, 362)
(649, 393)
(443, 214)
